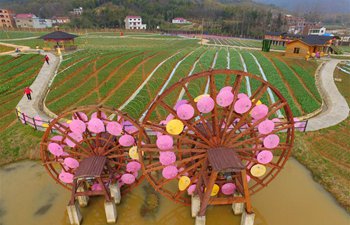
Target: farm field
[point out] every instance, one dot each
(99, 81)
(240, 42)
(17, 141)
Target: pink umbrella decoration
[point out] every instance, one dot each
(55, 149)
(242, 105)
(80, 116)
(128, 178)
(170, 172)
(271, 141)
(264, 157)
(57, 138)
(167, 158)
(224, 98)
(227, 88)
(129, 127)
(96, 125)
(103, 115)
(259, 111)
(185, 111)
(75, 136)
(228, 188)
(242, 95)
(126, 140)
(266, 127)
(96, 187)
(165, 142)
(205, 104)
(179, 103)
(114, 128)
(66, 177)
(71, 162)
(133, 166)
(191, 189)
(77, 126)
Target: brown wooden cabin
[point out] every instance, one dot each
(308, 45)
(281, 38)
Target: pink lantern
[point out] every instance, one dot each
(179, 103)
(205, 104)
(55, 149)
(169, 172)
(71, 162)
(128, 178)
(169, 117)
(96, 126)
(66, 177)
(114, 128)
(80, 116)
(259, 111)
(133, 166)
(126, 140)
(96, 187)
(227, 88)
(242, 95)
(167, 158)
(191, 189)
(264, 157)
(165, 142)
(242, 105)
(266, 127)
(77, 126)
(129, 127)
(185, 111)
(224, 98)
(95, 115)
(271, 141)
(77, 137)
(57, 138)
(228, 188)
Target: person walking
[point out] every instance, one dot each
(27, 91)
(47, 59)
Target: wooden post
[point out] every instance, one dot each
(246, 192)
(207, 193)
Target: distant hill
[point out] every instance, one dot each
(324, 6)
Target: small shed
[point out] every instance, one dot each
(309, 45)
(63, 40)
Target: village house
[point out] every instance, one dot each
(281, 38)
(310, 44)
(31, 21)
(134, 23)
(6, 19)
(180, 20)
(77, 11)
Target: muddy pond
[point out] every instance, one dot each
(28, 196)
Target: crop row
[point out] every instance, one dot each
(306, 101)
(275, 79)
(308, 79)
(155, 83)
(17, 62)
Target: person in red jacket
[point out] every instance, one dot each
(27, 91)
(47, 59)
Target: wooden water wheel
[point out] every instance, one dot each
(93, 135)
(216, 142)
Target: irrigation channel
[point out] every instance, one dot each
(29, 196)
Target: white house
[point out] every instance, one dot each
(77, 11)
(134, 23)
(319, 31)
(31, 21)
(180, 20)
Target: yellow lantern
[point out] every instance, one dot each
(133, 153)
(258, 170)
(174, 127)
(184, 182)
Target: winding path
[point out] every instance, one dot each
(335, 107)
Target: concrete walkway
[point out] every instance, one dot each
(336, 108)
(34, 107)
